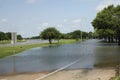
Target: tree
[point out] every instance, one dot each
(35, 37)
(50, 33)
(9, 35)
(19, 37)
(85, 35)
(76, 34)
(68, 36)
(90, 35)
(107, 23)
(3, 36)
(117, 22)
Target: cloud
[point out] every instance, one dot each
(3, 20)
(76, 21)
(31, 1)
(65, 20)
(106, 3)
(59, 25)
(45, 24)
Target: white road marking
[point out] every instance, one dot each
(57, 70)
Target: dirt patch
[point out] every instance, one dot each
(79, 74)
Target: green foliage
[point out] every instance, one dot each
(19, 37)
(90, 35)
(50, 33)
(84, 35)
(104, 19)
(107, 22)
(117, 78)
(76, 35)
(7, 36)
(35, 37)
(3, 36)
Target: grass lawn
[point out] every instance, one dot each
(5, 42)
(65, 41)
(6, 51)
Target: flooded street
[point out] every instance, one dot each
(92, 53)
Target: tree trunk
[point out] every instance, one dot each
(119, 41)
(116, 40)
(50, 40)
(105, 39)
(112, 39)
(109, 39)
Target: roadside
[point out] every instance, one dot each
(77, 74)
(10, 50)
(22, 42)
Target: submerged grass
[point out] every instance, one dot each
(6, 51)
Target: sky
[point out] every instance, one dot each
(30, 17)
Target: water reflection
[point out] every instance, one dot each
(107, 56)
(91, 53)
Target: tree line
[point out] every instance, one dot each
(107, 24)
(52, 33)
(7, 36)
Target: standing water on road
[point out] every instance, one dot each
(92, 53)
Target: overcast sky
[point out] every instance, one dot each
(30, 17)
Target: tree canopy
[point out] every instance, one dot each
(50, 33)
(19, 37)
(7, 36)
(107, 23)
(3, 36)
(77, 34)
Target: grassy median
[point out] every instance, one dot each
(6, 51)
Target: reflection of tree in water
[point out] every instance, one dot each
(107, 56)
(52, 57)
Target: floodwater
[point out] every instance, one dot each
(92, 53)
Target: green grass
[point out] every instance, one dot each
(115, 78)
(5, 42)
(64, 41)
(118, 78)
(6, 51)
